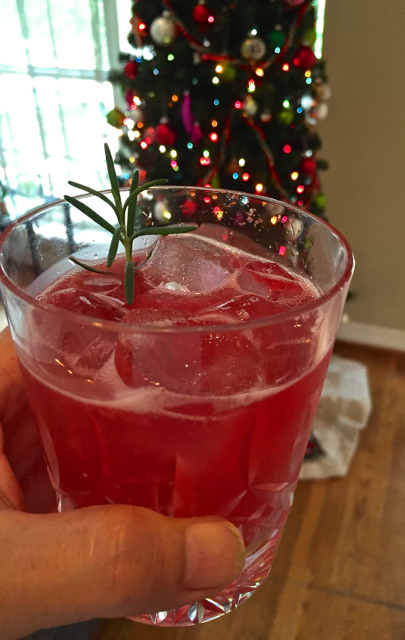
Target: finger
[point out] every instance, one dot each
(108, 561)
(10, 492)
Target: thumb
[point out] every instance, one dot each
(108, 561)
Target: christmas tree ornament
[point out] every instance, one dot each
(309, 38)
(186, 115)
(319, 112)
(201, 13)
(131, 69)
(286, 116)
(250, 106)
(277, 36)
(232, 167)
(115, 118)
(165, 134)
(228, 73)
(308, 167)
(320, 200)
(163, 30)
(253, 49)
(189, 208)
(196, 134)
(321, 91)
(215, 181)
(161, 211)
(304, 58)
(266, 116)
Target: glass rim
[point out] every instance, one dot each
(113, 325)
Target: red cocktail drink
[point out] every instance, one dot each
(198, 398)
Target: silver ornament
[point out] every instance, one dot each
(163, 30)
(253, 49)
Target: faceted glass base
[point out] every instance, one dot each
(256, 570)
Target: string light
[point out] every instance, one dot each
(300, 203)
(136, 134)
(242, 162)
(156, 71)
(167, 215)
(253, 32)
(286, 104)
(309, 81)
(132, 159)
(144, 145)
(141, 26)
(214, 123)
(245, 177)
(284, 219)
(173, 153)
(175, 98)
(287, 148)
(219, 213)
(238, 104)
(170, 57)
(173, 164)
(205, 161)
(219, 68)
(299, 110)
(213, 137)
(294, 175)
(148, 140)
(235, 175)
(308, 74)
(259, 72)
(211, 19)
(286, 67)
(273, 219)
(207, 200)
(282, 250)
(259, 187)
(132, 135)
(140, 125)
(206, 153)
(300, 188)
(216, 102)
(251, 86)
(277, 50)
(215, 80)
(190, 145)
(137, 100)
(119, 133)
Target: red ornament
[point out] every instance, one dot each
(304, 58)
(189, 208)
(308, 167)
(201, 13)
(165, 134)
(131, 69)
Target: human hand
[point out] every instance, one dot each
(108, 561)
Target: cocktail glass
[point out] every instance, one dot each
(221, 424)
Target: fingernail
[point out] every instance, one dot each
(215, 555)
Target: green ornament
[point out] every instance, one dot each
(309, 38)
(215, 182)
(115, 118)
(228, 74)
(320, 200)
(277, 37)
(286, 116)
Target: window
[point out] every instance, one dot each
(54, 96)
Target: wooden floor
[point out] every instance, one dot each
(340, 569)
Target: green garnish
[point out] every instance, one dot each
(127, 215)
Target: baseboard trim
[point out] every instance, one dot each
(372, 335)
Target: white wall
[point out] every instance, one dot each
(364, 140)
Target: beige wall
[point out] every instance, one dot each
(364, 141)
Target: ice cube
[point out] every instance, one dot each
(192, 362)
(190, 262)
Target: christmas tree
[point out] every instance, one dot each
(224, 93)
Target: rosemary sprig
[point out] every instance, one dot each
(128, 213)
